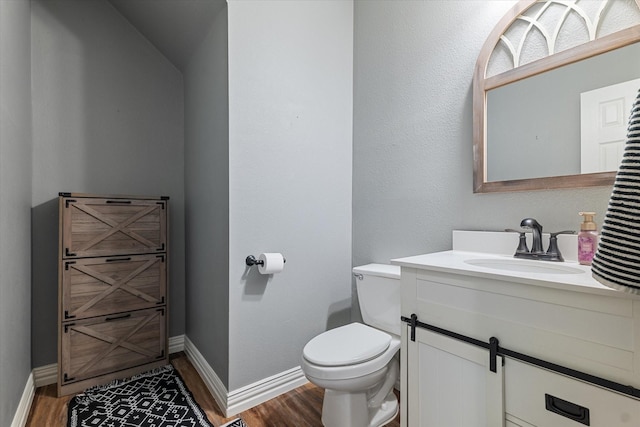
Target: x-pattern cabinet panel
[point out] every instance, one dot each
(113, 290)
(113, 226)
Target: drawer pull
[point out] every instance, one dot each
(118, 259)
(567, 409)
(120, 202)
(124, 316)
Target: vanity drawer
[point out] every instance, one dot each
(538, 396)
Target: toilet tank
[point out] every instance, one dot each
(378, 287)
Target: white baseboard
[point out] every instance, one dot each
(208, 375)
(259, 392)
(45, 375)
(236, 401)
(176, 344)
(22, 413)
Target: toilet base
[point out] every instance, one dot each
(344, 409)
(386, 412)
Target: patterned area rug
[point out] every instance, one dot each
(157, 398)
(235, 423)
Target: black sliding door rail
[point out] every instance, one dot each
(495, 350)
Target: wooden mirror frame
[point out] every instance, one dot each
(482, 84)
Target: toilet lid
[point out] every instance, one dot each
(346, 345)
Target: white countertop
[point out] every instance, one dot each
(453, 261)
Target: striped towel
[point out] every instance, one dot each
(616, 264)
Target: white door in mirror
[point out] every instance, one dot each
(604, 115)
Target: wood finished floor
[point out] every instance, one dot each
(300, 407)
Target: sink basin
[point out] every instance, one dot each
(523, 266)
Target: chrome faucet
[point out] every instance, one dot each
(536, 252)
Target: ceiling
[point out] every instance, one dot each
(175, 27)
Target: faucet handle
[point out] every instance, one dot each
(552, 235)
(522, 243)
(553, 252)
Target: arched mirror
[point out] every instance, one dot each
(551, 83)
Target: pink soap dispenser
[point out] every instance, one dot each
(587, 238)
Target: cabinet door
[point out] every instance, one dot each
(106, 227)
(101, 345)
(101, 286)
(450, 384)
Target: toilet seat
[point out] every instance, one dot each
(367, 365)
(346, 345)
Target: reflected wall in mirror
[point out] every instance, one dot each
(529, 130)
(534, 125)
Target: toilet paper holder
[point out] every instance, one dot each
(251, 261)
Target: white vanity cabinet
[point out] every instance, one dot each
(588, 329)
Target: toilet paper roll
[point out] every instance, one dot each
(272, 263)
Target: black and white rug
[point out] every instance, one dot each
(157, 398)
(235, 423)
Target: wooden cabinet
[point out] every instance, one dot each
(112, 288)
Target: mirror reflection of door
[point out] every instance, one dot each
(604, 119)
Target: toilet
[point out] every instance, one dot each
(358, 364)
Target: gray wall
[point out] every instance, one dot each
(290, 146)
(107, 118)
(15, 201)
(413, 133)
(207, 197)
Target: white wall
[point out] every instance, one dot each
(413, 133)
(290, 143)
(207, 197)
(107, 119)
(15, 203)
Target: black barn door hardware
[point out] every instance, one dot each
(495, 350)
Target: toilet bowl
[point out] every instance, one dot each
(358, 364)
